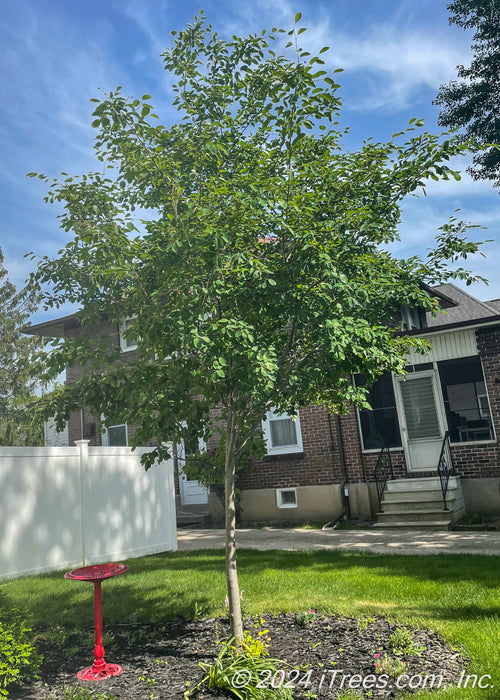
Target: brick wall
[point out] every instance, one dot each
(318, 464)
(483, 461)
(360, 465)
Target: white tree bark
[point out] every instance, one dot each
(233, 588)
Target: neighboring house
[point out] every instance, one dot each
(320, 465)
(52, 438)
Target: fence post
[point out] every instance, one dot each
(83, 461)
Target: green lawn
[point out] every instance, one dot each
(456, 595)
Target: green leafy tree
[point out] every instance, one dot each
(472, 103)
(246, 246)
(19, 424)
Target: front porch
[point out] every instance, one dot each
(417, 503)
(425, 502)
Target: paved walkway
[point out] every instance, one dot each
(388, 542)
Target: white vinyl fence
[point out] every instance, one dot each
(62, 507)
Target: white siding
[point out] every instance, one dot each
(52, 437)
(447, 346)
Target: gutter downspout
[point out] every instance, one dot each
(344, 496)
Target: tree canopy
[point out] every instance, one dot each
(472, 103)
(246, 245)
(19, 424)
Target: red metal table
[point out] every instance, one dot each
(96, 574)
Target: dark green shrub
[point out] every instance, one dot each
(19, 660)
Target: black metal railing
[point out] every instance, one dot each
(446, 468)
(382, 473)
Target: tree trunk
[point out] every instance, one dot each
(233, 588)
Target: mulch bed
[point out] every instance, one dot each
(159, 659)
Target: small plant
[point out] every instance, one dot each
(475, 519)
(147, 679)
(198, 611)
(401, 642)
(19, 660)
(257, 645)
(391, 667)
(364, 622)
(245, 677)
(150, 682)
(76, 692)
(304, 618)
(349, 695)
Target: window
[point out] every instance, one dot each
(282, 433)
(465, 400)
(286, 498)
(410, 318)
(127, 343)
(189, 447)
(380, 426)
(115, 436)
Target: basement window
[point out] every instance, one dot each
(286, 498)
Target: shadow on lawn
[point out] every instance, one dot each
(169, 593)
(444, 568)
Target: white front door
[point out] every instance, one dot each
(422, 420)
(192, 493)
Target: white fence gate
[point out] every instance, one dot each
(62, 507)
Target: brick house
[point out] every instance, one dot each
(320, 465)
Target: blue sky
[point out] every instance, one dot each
(56, 55)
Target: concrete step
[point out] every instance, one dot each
(193, 518)
(419, 484)
(414, 525)
(416, 497)
(414, 515)
(418, 504)
(415, 506)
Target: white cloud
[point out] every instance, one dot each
(421, 220)
(389, 61)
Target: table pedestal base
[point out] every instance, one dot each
(97, 574)
(98, 674)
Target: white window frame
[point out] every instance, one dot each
(105, 434)
(410, 317)
(279, 497)
(281, 449)
(123, 341)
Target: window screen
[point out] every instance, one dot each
(283, 432)
(380, 426)
(465, 400)
(117, 436)
(420, 408)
